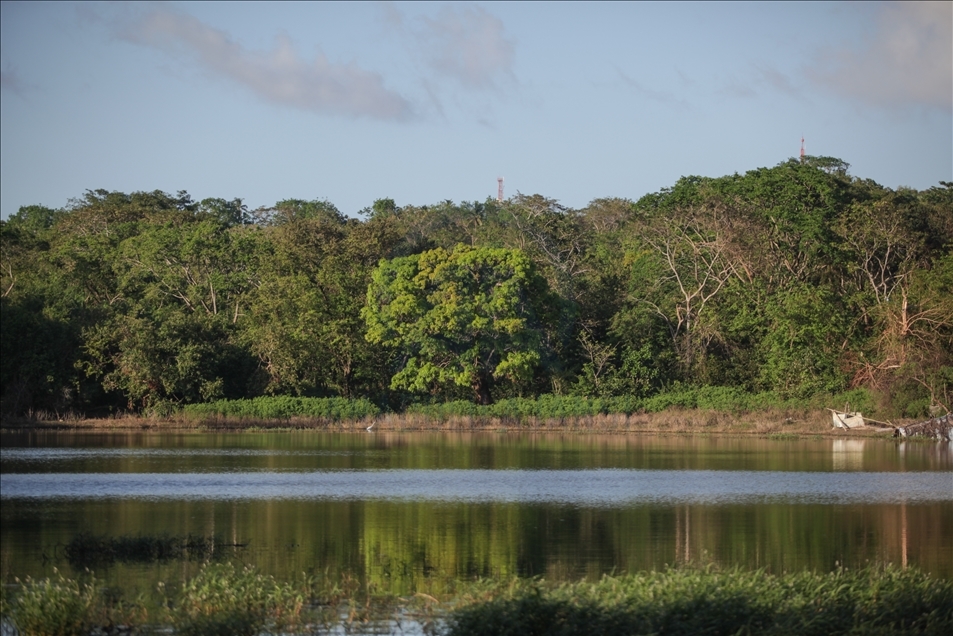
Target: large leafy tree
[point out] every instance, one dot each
(181, 285)
(468, 318)
(304, 324)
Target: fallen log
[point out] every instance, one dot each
(940, 428)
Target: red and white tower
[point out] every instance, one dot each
(802, 147)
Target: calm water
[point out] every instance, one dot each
(396, 509)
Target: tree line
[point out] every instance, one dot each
(795, 280)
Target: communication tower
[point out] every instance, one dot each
(802, 148)
(499, 189)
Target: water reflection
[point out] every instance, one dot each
(404, 511)
(46, 451)
(848, 454)
(402, 545)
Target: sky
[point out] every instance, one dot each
(425, 102)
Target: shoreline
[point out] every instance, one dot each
(771, 423)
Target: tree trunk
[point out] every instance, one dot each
(481, 390)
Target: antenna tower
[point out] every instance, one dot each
(499, 189)
(802, 148)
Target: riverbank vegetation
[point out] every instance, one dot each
(691, 601)
(704, 409)
(224, 599)
(781, 286)
(724, 399)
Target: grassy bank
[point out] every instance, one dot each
(769, 422)
(689, 410)
(544, 407)
(223, 599)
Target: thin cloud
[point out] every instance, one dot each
(11, 81)
(907, 61)
(738, 90)
(469, 45)
(760, 80)
(778, 81)
(686, 80)
(278, 75)
(663, 97)
(392, 17)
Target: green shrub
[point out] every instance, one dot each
(285, 407)
(543, 407)
(855, 399)
(54, 607)
(221, 601)
(446, 410)
(715, 398)
(677, 398)
(722, 398)
(64, 607)
(548, 407)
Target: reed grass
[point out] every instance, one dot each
(694, 601)
(224, 599)
(60, 606)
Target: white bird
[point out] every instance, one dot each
(370, 427)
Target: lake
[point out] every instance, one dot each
(401, 510)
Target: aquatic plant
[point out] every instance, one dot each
(696, 601)
(221, 600)
(65, 607)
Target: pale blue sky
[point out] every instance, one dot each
(423, 102)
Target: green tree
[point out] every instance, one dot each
(685, 266)
(803, 341)
(228, 213)
(466, 318)
(37, 352)
(552, 235)
(168, 335)
(162, 355)
(304, 323)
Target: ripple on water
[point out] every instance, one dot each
(609, 487)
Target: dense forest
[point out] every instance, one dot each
(795, 280)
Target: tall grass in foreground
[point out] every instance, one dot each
(691, 601)
(65, 607)
(222, 599)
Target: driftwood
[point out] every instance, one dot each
(940, 428)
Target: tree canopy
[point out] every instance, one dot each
(794, 279)
(468, 318)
